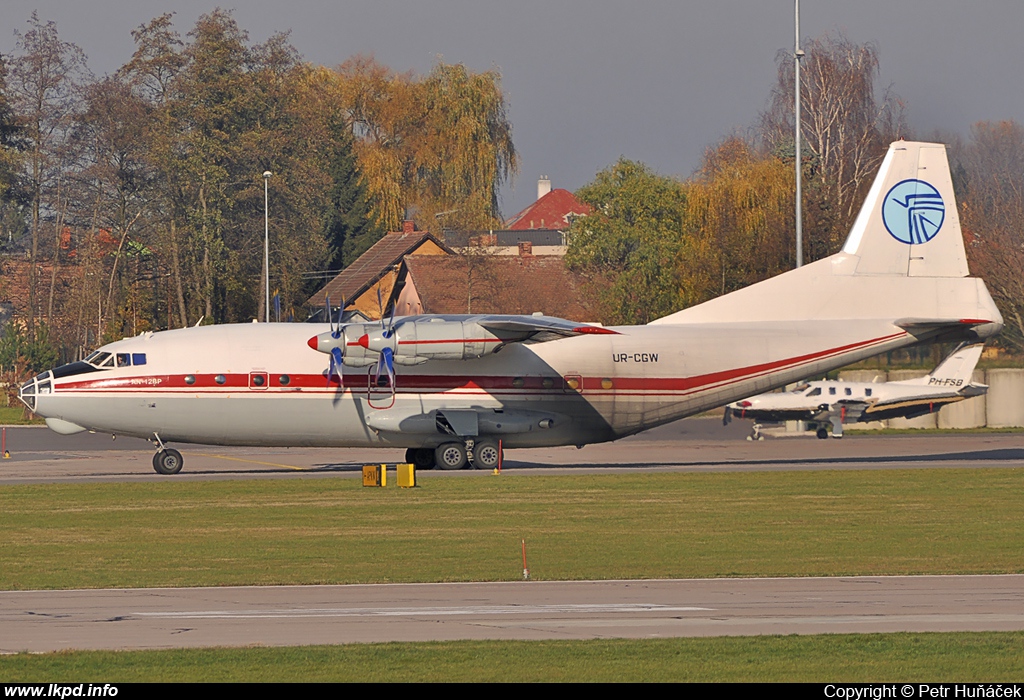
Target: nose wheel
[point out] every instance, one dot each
(167, 461)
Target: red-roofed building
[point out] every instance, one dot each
(554, 209)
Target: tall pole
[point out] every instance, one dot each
(266, 242)
(797, 55)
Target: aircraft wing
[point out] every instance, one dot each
(415, 339)
(536, 329)
(849, 411)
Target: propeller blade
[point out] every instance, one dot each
(341, 315)
(391, 322)
(330, 370)
(336, 362)
(385, 363)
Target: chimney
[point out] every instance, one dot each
(525, 248)
(543, 186)
(408, 226)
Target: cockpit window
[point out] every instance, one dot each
(802, 386)
(100, 359)
(816, 391)
(124, 359)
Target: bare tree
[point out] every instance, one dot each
(845, 123)
(991, 184)
(44, 86)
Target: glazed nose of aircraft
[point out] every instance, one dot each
(30, 391)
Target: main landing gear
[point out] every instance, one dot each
(483, 454)
(166, 460)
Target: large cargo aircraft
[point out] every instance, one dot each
(454, 390)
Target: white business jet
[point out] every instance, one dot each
(458, 389)
(833, 403)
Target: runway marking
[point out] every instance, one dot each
(429, 612)
(252, 461)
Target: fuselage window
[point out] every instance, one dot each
(138, 358)
(816, 391)
(190, 379)
(258, 380)
(867, 392)
(124, 359)
(848, 391)
(220, 379)
(832, 391)
(284, 380)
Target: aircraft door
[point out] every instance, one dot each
(380, 391)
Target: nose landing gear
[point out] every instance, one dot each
(166, 460)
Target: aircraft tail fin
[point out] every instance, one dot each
(954, 371)
(903, 260)
(909, 223)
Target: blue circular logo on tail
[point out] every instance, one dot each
(913, 212)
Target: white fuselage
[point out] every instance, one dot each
(260, 384)
(816, 401)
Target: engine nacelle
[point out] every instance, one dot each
(411, 342)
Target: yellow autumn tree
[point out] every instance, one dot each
(739, 219)
(441, 142)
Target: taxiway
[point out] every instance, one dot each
(294, 615)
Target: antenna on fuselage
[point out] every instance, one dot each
(199, 321)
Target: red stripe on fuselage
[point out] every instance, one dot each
(527, 385)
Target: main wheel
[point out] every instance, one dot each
(422, 458)
(822, 433)
(451, 455)
(167, 461)
(486, 454)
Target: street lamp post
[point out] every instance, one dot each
(266, 242)
(797, 55)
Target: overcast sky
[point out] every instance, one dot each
(588, 81)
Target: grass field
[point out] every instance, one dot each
(677, 525)
(961, 657)
(187, 533)
(15, 415)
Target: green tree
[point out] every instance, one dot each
(635, 238)
(350, 228)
